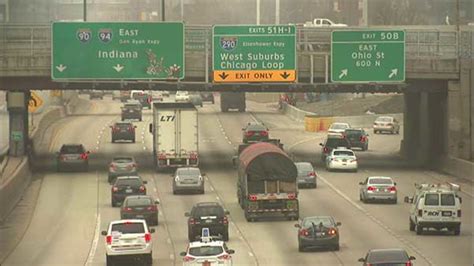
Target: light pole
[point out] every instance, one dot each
(258, 12)
(277, 12)
(84, 10)
(163, 10)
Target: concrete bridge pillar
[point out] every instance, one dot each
(460, 117)
(411, 126)
(17, 104)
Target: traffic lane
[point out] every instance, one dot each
(174, 207)
(445, 249)
(65, 211)
(271, 242)
(161, 248)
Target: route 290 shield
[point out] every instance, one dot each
(228, 43)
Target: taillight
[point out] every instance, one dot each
(127, 209)
(459, 213)
(112, 166)
(225, 220)
(149, 99)
(304, 232)
(142, 189)
(193, 155)
(362, 138)
(84, 156)
(131, 129)
(325, 149)
(252, 197)
(420, 212)
(188, 259)
(264, 133)
(191, 221)
(408, 263)
(392, 189)
(147, 237)
(291, 196)
(370, 188)
(108, 239)
(249, 133)
(152, 208)
(313, 174)
(114, 189)
(224, 257)
(161, 156)
(332, 231)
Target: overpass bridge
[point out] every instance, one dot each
(439, 89)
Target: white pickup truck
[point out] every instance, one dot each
(323, 22)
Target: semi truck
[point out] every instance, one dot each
(175, 135)
(233, 100)
(266, 184)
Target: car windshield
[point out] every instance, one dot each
(123, 125)
(353, 132)
(133, 106)
(205, 251)
(128, 228)
(381, 181)
(447, 199)
(384, 119)
(138, 202)
(336, 142)
(128, 182)
(339, 126)
(432, 199)
(255, 127)
(73, 149)
(343, 153)
(326, 221)
(188, 172)
(304, 168)
(209, 211)
(387, 258)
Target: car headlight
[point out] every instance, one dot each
(176, 179)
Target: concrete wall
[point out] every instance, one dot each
(355, 121)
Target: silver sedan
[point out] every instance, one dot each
(376, 188)
(188, 179)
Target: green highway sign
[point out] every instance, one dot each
(368, 56)
(254, 53)
(117, 50)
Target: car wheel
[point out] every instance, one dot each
(148, 259)
(109, 261)
(140, 119)
(419, 229)
(201, 192)
(412, 225)
(394, 201)
(301, 248)
(191, 237)
(225, 236)
(360, 197)
(457, 230)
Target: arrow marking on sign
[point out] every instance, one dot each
(393, 73)
(118, 67)
(343, 73)
(61, 67)
(223, 75)
(285, 75)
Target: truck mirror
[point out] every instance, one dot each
(361, 183)
(104, 233)
(320, 144)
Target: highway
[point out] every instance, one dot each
(72, 208)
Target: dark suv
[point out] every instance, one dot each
(254, 132)
(207, 96)
(125, 186)
(123, 131)
(132, 110)
(144, 98)
(331, 142)
(210, 215)
(357, 137)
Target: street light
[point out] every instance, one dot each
(84, 9)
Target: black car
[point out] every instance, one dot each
(318, 232)
(357, 137)
(140, 207)
(132, 111)
(254, 132)
(99, 94)
(123, 131)
(207, 97)
(144, 98)
(72, 156)
(382, 257)
(331, 142)
(125, 186)
(210, 215)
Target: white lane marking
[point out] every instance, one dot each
(212, 188)
(377, 221)
(144, 148)
(168, 241)
(217, 198)
(250, 254)
(171, 256)
(98, 142)
(95, 242)
(229, 142)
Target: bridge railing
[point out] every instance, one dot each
(428, 49)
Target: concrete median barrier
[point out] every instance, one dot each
(456, 167)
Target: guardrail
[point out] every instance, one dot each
(27, 48)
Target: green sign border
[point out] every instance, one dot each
(270, 35)
(119, 22)
(372, 81)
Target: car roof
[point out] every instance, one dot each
(341, 149)
(340, 123)
(256, 125)
(187, 168)
(392, 255)
(380, 177)
(128, 177)
(207, 204)
(139, 197)
(123, 157)
(384, 117)
(127, 221)
(318, 217)
(214, 243)
(72, 144)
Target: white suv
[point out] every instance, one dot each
(435, 206)
(126, 239)
(208, 251)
